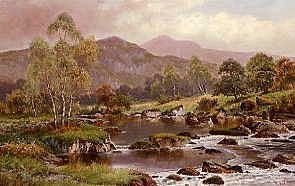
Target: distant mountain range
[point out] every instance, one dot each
(120, 62)
(165, 45)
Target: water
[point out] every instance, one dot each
(160, 164)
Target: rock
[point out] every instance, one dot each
(263, 164)
(199, 148)
(169, 140)
(191, 119)
(144, 179)
(142, 145)
(265, 134)
(174, 177)
(113, 131)
(268, 129)
(91, 147)
(284, 159)
(292, 137)
(177, 111)
(188, 134)
(239, 131)
(263, 101)
(213, 167)
(248, 105)
(290, 124)
(152, 113)
(281, 140)
(212, 151)
(271, 127)
(286, 171)
(189, 171)
(228, 141)
(217, 180)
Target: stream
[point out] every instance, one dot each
(160, 164)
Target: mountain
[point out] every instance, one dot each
(120, 62)
(165, 45)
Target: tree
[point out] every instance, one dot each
(59, 71)
(284, 74)
(170, 81)
(17, 102)
(260, 72)
(232, 78)
(104, 95)
(199, 76)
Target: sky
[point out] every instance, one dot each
(236, 25)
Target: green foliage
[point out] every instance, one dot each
(171, 78)
(232, 79)
(207, 103)
(284, 77)
(17, 102)
(199, 76)
(260, 72)
(98, 174)
(23, 164)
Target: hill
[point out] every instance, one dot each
(120, 62)
(165, 45)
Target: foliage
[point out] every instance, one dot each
(199, 76)
(170, 81)
(284, 74)
(232, 79)
(23, 164)
(167, 135)
(260, 72)
(207, 103)
(98, 174)
(22, 149)
(58, 73)
(17, 102)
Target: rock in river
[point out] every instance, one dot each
(174, 177)
(284, 159)
(228, 141)
(239, 131)
(263, 164)
(213, 167)
(217, 180)
(189, 171)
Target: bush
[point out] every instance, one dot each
(22, 149)
(207, 103)
(166, 99)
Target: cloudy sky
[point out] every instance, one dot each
(239, 25)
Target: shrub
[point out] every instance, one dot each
(207, 103)
(166, 99)
(2, 108)
(22, 149)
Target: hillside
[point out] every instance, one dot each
(165, 45)
(120, 62)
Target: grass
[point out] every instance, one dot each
(191, 103)
(98, 174)
(23, 164)
(167, 135)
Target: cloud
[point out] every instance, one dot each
(240, 25)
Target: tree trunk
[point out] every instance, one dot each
(34, 107)
(70, 107)
(53, 109)
(63, 108)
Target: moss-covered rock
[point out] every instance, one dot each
(163, 140)
(142, 145)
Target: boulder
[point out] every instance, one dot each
(228, 141)
(169, 140)
(213, 167)
(176, 111)
(217, 180)
(263, 101)
(91, 147)
(272, 127)
(189, 171)
(188, 134)
(265, 134)
(152, 113)
(141, 145)
(144, 179)
(248, 105)
(292, 137)
(191, 119)
(174, 177)
(239, 131)
(263, 164)
(290, 124)
(286, 171)
(284, 159)
(212, 151)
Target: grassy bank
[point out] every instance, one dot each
(191, 103)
